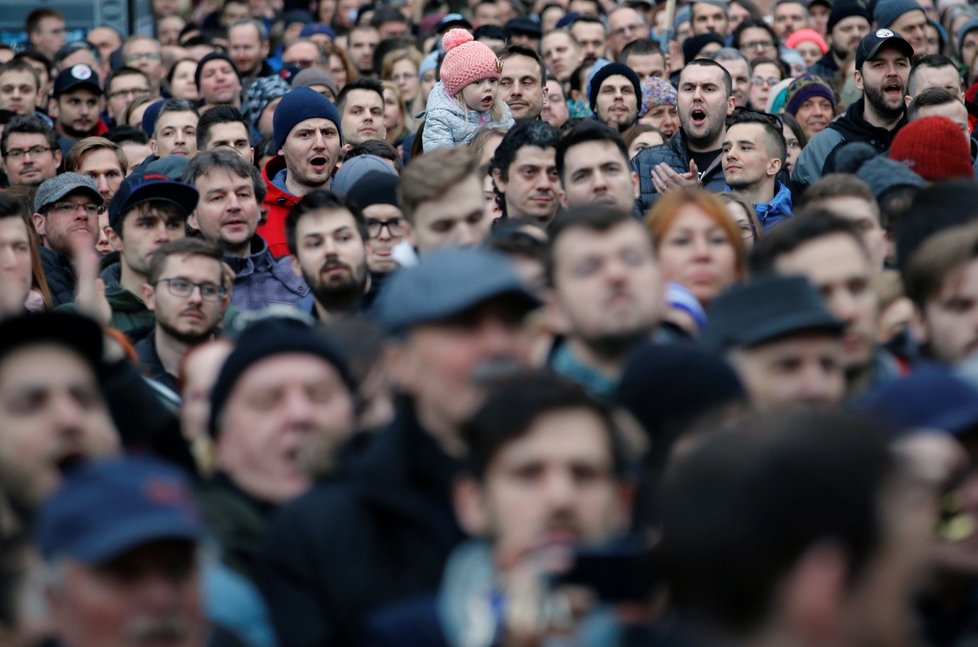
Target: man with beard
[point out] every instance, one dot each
(308, 142)
(227, 215)
(75, 106)
(754, 152)
(882, 71)
(30, 151)
(692, 156)
(616, 93)
(848, 24)
(522, 80)
(185, 291)
(607, 293)
(327, 240)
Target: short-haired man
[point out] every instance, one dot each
(361, 107)
(454, 320)
(848, 24)
(524, 170)
(105, 39)
(592, 162)
(606, 294)
(788, 17)
(45, 74)
(145, 53)
(846, 196)
(16, 263)
(248, 46)
(882, 69)
(218, 81)
(782, 341)
(175, 131)
(30, 151)
(327, 238)
(692, 156)
(933, 71)
(76, 102)
(227, 215)
(521, 81)
(303, 53)
(616, 96)
(224, 126)
(591, 34)
(562, 54)
(308, 142)
(906, 19)
(122, 87)
(19, 87)
(734, 61)
(624, 26)
(186, 292)
(104, 162)
(441, 197)
(80, 52)
(939, 102)
(45, 29)
(709, 16)
(645, 57)
(362, 41)
(754, 152)
(829, 251)
(66, 210)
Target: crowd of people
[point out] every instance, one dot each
(516, 324)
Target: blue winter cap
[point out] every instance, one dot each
(889, 11)
(298, 105)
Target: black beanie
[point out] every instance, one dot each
(207, 59)
(693, 44)
(375, 187)
(846, 9)
(611, 69)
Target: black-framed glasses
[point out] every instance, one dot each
(183, 288)
(394, 227)
(33, 151)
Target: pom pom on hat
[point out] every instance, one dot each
(466, 61)
(934, 149)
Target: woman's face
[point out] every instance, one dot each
(742, 220)
(326, 11)
(405, 75)
(696, 252)
(764, 77)
(810, 53)
(337, 70)
(393, 119)
(794, 148)
(183, 86)
(427, 82)
(645, 140)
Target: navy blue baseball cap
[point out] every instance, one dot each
(150, 187)
(107, 508)
(931, 398)
(447, 283)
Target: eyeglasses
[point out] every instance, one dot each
(183, 288)
(65, 208)
(757, 44)
(407, 76)
(770, 82)
(144, 56)
(394, 227)
(301, 63)
(628, 28)
(135, 92)
(33, 151)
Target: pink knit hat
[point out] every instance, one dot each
(466, 61)
(804, 36)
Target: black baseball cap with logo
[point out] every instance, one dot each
(76, 76)
(873, 42)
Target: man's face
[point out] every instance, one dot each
(607, 287)
(843, 274)
(146, 55)
(144, 229)
(15, 265)
(521, 87)
(192, 319)
(219, 84)
(363, 117)
(955, 111)
(102, 165)
(883, 80)
(533, 186)
(617, 103)
(745, 158)
(49, 36)
(148, 595)
(596, 172)
(18, 92)
(362, 44)
(311, 150)
(67, 220)
(331, 256)
(457, 219)
(486, 13)
(591, 36)
(756, 42)
(247, 50)
(911, 26)
(77, 112)
(949, 321)
(624, 26)
(282, 425)
(945, 77)
(386, 227)
(53, 414)
(801, 370)
(29, 159)
(703, 104)
(228, 212)
(301, 54)
(123, 90)
(176, 134)
(847, 33)
(789, 18)
(555, 111)
(740, 74)
(865, 216)
(647, 65)
(707, 18)
(106, 40)
(561, 54)
(233, 135)
(551, 487)
(442, 364)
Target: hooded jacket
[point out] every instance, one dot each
(448, 123)
(277, 204)
(775, 210)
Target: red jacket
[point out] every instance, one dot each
(277, 205)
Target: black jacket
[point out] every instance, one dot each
(348, 547)
(675, 154)
(60, 276)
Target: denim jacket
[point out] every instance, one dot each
(260, 280)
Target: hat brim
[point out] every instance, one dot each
(70, 330)
(89, 85)
(81, 188)
(905, 48)
(182, 195)
(786, 327)
(134, 532)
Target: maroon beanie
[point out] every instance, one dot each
(934, 148)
